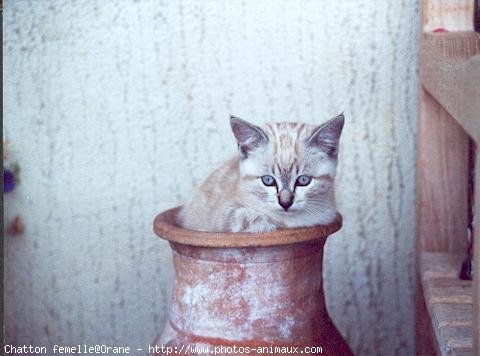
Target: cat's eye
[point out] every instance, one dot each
(303, 180)
(269, 181)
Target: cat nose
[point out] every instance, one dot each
(285, 199)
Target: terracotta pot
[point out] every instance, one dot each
(236, 292)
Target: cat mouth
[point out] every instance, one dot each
(289, 211)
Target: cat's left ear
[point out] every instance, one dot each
(249, 136)
(327, 136)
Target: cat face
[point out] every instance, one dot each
(288, 169)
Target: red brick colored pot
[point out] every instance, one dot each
(245, 293)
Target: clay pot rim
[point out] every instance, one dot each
(166, 228)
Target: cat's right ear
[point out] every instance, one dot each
(249, 137)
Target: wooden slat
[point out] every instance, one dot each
(452, 314)
(455, 337)
(449, 302)
(453, 15)
(448, 290)
(424, 344)
(463, 352)
(450, 71)
(439, 265)
(442, 179)
(476, 254)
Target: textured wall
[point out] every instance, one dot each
(116, 110)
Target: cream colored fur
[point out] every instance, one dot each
(233, 198)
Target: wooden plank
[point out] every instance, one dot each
(453, 15)
(454, 337)
(439, 265)
(424, 345)
(459, 351)
(442, 179)
(450, 71)
(476, 254)
(449, 303)
(447, 290)
(452, 314)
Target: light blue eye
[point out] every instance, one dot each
(269, 181)
(303, 180)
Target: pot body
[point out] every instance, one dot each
(236, 300)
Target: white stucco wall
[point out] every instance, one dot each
(115, 111)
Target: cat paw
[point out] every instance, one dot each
(247, 221)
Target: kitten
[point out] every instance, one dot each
(283, 177)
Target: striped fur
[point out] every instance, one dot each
(233, 198)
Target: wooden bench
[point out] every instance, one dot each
(447, 308)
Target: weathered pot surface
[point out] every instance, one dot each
(248, 293)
